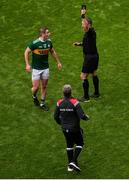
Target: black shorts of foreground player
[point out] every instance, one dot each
(91, 59)
(68, 113)
(40, 49)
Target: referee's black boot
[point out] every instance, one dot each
(83, 99)
(95, 95)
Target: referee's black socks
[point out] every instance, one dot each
(96, 84)
(86, 88)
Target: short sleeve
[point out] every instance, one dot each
(51, 45)
(31, 46)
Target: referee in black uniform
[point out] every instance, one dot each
(68, 113)
(91, 59)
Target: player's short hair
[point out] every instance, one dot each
(67, 90)
(42, 30)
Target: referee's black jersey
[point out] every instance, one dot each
(89, 42)
(68, 113)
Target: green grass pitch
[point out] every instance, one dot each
(31, 143)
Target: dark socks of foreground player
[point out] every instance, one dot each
(86, 88)
(70, 154)
(76, 154)
(73, 154)
(96, 85)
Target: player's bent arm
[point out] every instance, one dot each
(27, 60)
(56, 57)
(81, 113)
(56, 115)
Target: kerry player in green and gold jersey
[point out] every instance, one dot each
(40, 49)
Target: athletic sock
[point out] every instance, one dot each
(86, 88)
(34, 96)
(77, 151)
(96, 84)
(43, 99)
(70, 154)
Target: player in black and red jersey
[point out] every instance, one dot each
(68, 113)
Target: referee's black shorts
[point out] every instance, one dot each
(90, 63)
(73, 138)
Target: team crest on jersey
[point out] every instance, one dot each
(44, 45)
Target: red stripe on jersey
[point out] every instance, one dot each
(59, 101)
(74, 101)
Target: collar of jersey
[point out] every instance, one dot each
(41, 40)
